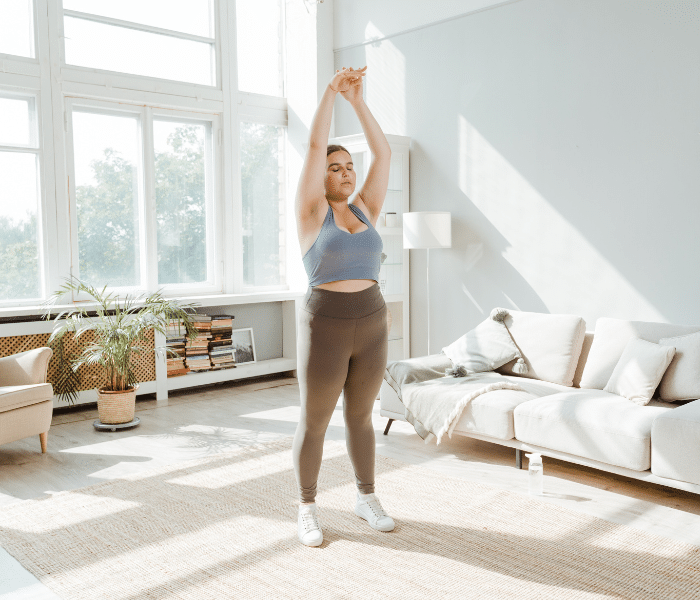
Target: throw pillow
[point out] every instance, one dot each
(681, 381)
(486, 347)
(639, 370)
(611, 337)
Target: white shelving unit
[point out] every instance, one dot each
(163, 384)
(394, 271)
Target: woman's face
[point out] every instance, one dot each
(340, 175)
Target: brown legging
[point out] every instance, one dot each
(342, 345)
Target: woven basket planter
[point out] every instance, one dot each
(116, 407)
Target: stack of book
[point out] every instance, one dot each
(197, 350)
(221, 352)
(175, 338)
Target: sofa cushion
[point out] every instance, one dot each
(550, 344)
(611, 337)
(675, 443)
(681, 381)
(492, 413)
(484, 348)
(593, 424)
(639, 370)
(16, 396)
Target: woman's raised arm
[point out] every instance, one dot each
(311, 191)
(373, 191)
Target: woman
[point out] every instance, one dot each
(342, 342)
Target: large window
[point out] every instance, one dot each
(168, 39)
(142, 147)
(148, 175)
(19, 198)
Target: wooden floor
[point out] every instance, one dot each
(218, 418)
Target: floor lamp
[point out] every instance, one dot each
(427, 229)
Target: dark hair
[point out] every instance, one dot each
(334, 148)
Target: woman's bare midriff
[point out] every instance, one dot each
(347, 285)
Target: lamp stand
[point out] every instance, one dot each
(427, 291)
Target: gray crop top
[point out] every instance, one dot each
(337, 255)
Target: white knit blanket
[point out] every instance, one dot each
(433, 407)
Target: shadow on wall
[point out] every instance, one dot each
(543, 169)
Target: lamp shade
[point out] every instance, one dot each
(427, 229)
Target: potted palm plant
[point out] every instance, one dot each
(117, 334)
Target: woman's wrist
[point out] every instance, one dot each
(332, 88)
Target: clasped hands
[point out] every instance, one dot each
(349, 83)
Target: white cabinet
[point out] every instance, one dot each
(393, 275)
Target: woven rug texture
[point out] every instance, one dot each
(225, 527)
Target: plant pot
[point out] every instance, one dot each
(116, 407)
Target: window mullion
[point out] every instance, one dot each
(149, 223)
(137, 26)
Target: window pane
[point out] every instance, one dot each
(16, 123)
(19, 250)
(107, 184)
(181, 206)
(262, 182)
(259, 46)
(189, 16)
(16, 28)
(100, 46)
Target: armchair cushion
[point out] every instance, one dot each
(25, 368)
(17, 396)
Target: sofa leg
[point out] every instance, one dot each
(44, 438)
(388, 425)
(518, 459)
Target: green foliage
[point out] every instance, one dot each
(117, 335)
(19, 256)
(181, 208)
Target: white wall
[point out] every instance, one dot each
(564, 137)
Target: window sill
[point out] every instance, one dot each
(16, 314)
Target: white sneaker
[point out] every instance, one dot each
(369, 508)
(308, 525)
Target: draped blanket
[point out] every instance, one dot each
(433, 407)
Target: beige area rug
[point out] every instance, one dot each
(225, 527)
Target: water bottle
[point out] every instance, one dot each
(536, 475)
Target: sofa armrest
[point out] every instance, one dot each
(26, 368)
(412, 370)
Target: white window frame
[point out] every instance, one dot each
(55, 85)
(34, 147)
(117, 79)
(148, 260)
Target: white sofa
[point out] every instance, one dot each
(583, 424)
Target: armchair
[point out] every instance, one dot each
(26, 400)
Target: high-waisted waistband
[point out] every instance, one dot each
(344, 305)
